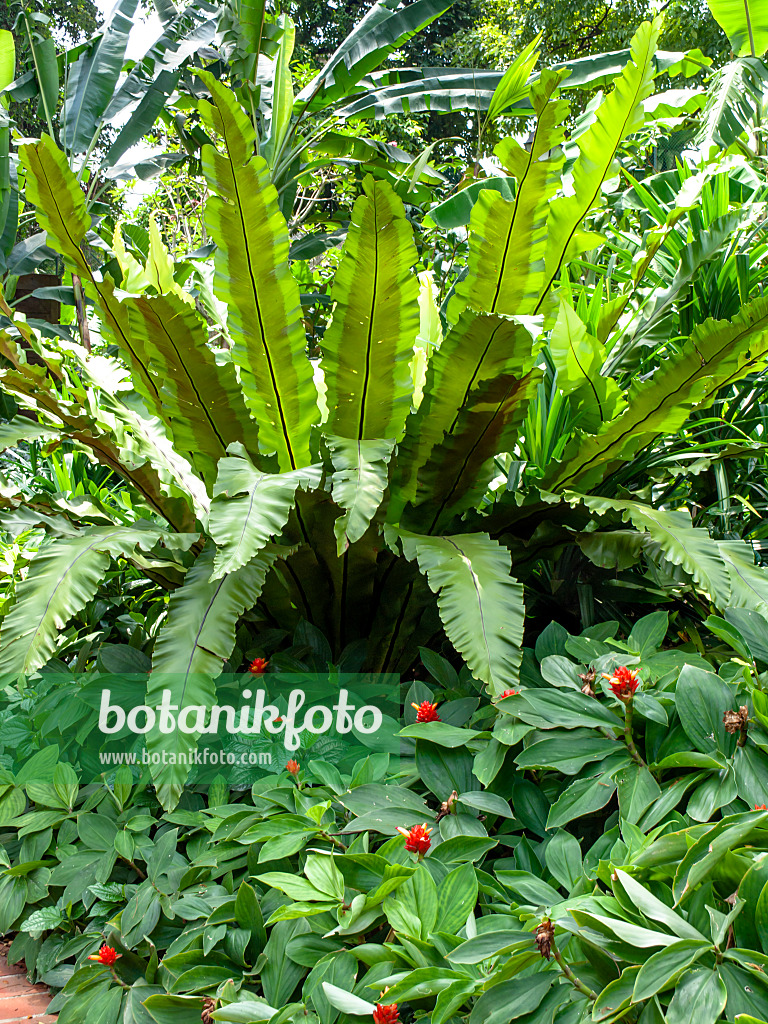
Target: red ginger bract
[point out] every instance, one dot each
(426, 712)
(258, 666)
(417, 838)
(292, 767)
(106, 955)
(386, 1014)
(623, 682)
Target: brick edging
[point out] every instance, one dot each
(20, 1000)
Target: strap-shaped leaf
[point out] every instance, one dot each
(381, 31)
(718, 353)
(194, 642)
(460, 468)
(678, 541)
(368, 346)
(127, 441)
(62, 578)
(745, 22)
(251, 507)
(481, 605)
(508, 240)
(281, 110)
(93, 79)
(578, 358)
(60, 207)
(478, 349)
(618, 116)
(358, 484)
(254, 280)
(202, 405)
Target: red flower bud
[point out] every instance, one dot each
(623, 682)
(258, 666)
(416, 839)
(386, 1014)
(761, 807)
(507, 693)
(106, 955)
(292, 767)
(426, 712)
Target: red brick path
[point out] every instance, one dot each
(19, 1000)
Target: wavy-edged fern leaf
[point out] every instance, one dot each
(368, 345)
(459, 469)
(578, 358)
(508, 240)
(718, 353)
(194, 642)
(358, 484)
(21, 429)
(202, 403)
(254, 280)
(619, 115)
(478, 349)
(677, 540)
(251, 507)
(63, 577)
(162, 479)
(60, 209)
(481, 605)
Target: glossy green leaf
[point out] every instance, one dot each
(368, 346)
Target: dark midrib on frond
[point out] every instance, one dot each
(491, 420)
(257, 304)
(109, 459)
(105, 305)
(574, 229)
(473, 378)
(192, 384)
(587, 378)
(198, 634)
(670, 394)
(518, 193)
(397, 627)
(369, 340)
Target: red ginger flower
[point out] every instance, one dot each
(416, 839)
(292, 767)
(507, 693)
(761, 807)
(106, 955)
(386, 1014)
(623, 682)
(258, 666)
(426, 712)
